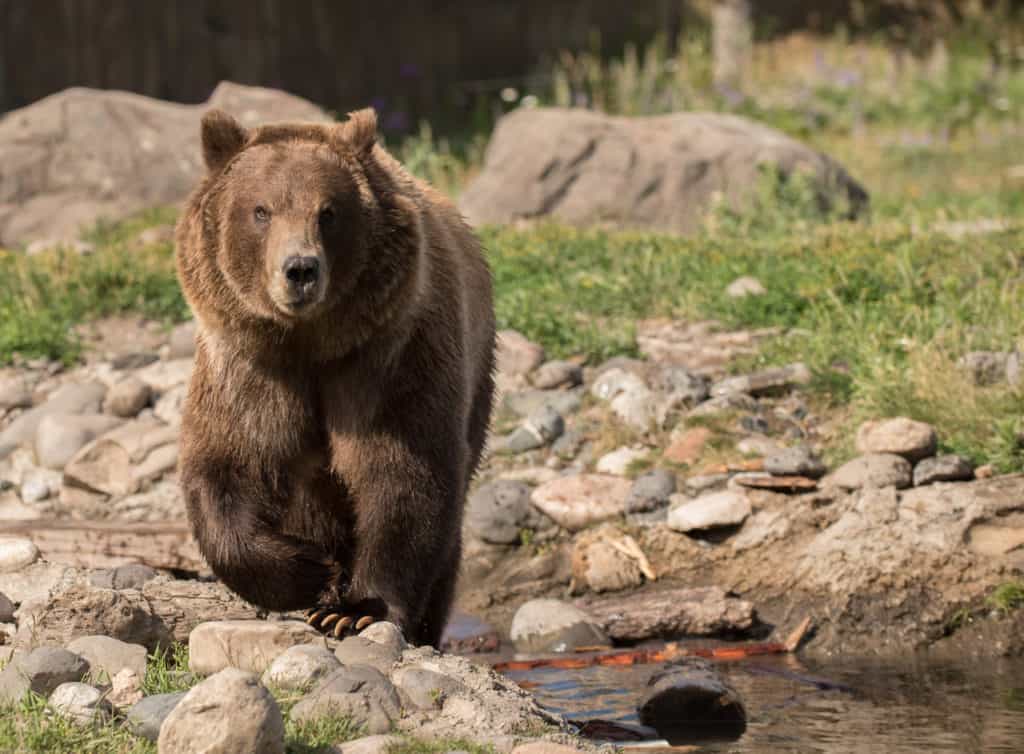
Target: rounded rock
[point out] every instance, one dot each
(945, 468)
(147, 716)
(355, 650)
(873, 471)
(17, 553)
(228, 712)
(300, 667)
(81, 703)
(128, 397)
(799, 461)
(542, 625)
(498, 511)
(726, 508)
(555, 374)
(108, 655)
(387, 634)
(901, 436)
(651, 491)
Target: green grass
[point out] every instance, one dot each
(1007, 597)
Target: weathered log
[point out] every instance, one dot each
(106, 544)
(689, 700)
(672, 613)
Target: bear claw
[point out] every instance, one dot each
(323, 619)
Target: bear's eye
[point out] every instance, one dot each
(326, 216)
(262, 214)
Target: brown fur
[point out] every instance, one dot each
(326, 456)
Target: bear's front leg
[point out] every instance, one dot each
(235, 516)
(404, 476)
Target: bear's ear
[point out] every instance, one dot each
(223, 138)
(360, 130)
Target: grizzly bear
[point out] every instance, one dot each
(343, 380)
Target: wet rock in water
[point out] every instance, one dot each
(873, 471)
(745, 286)
(41, 671)
(68, 399)
(548, 625)
(250, 645)
(944, 468)
(380, 744)
(517, 355)
(60, 436)
(498, 511)
(686, 447)
(726, 508)
(81, 703)
(386, 634)
(145, 717)
(576, 502)
(300, 667)
(467, 634)
(765, 382)
(128, 576)
(355, 650)
(107, 655)
(901, 436)
(6, 609)
(689, 700)
(798, 461)
(672, 614)
(360, 693)
(651, 491)
(619, 461)
(182, 343)
(17, 553)
(128, 397)
(425, 689)
(228, 712)
(556, 374)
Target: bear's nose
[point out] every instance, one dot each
(302, 272)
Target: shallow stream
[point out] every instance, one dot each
(836, 705)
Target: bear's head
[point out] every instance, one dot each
(295, 225)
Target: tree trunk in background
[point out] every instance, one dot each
(732, 41)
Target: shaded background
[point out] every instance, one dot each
(442, 60)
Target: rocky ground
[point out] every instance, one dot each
(652, 498)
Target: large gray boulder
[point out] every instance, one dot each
(82, 154)
(584, 168)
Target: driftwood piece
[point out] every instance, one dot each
(672, 613)
(103, 544)
(163, 611)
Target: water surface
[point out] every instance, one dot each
(794, 704)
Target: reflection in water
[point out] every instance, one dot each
(831, 706)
